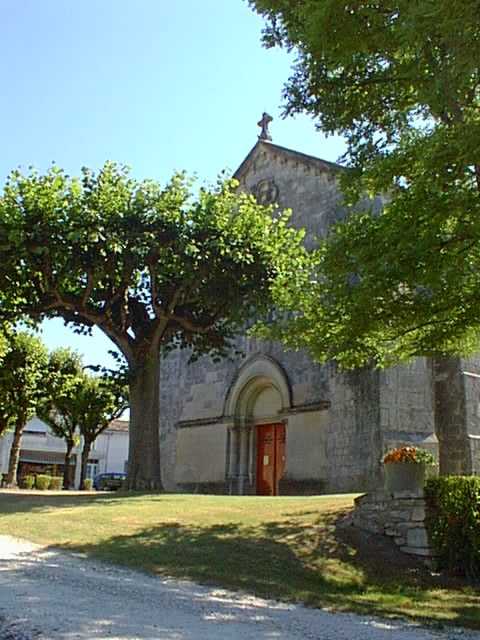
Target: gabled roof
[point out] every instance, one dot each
(304, 158)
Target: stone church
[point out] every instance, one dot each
(276, 423)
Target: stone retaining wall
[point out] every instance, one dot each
(400, 515)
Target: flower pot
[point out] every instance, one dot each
(404, 476)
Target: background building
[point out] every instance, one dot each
(42, 452)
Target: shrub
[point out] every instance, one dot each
(56, 483)
(453, 522)
(43, 481)
(87, 484)
(28, 482)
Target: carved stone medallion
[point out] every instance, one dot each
(266, 191)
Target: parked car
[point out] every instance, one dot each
(109, 481)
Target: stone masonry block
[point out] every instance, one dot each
(402, 495)
(400, 516)
(417, 537)
(406, 526)
(418, 551)
(418, 514)
(407, 503)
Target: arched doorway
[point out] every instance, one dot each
(256, 402)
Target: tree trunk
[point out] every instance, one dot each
(66, 467)
(450, 416)
(15, 453)
(85, 455)
(144, 441)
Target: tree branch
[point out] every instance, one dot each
(72, 311)
(88, 289)
(192, 326)
(154, 292)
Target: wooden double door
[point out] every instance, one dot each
(270, 458)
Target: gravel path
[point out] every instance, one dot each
(56, 595)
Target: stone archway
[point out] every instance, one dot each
(259, 394)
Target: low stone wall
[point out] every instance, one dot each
(401, 516)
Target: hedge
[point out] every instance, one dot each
(29, 481)
(42, 481)
(453, 522)
(56, 483)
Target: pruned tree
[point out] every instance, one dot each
(23, 370)
(65, 376)
(154, 268)
(100, 399)
(6, 419)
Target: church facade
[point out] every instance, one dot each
(275, 423)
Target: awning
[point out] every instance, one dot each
(45, 457)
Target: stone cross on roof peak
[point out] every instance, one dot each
(263, 123)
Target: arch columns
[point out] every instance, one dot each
(232, 461)
(245, 432)
(239, 458)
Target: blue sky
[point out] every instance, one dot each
(157, 85)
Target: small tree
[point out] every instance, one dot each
(58, 409)
(6, 419)
(152, 267)
(99, 401)
(23, 372)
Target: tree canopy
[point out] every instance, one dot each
(144, 263)
(61, 392)
(99, 400)
(401, 82)
(152, 266)
(78, 404)
(23, 370)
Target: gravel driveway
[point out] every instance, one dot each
(52, 594)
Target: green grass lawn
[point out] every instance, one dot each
(292, 549)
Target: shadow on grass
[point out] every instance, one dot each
(290, 561)
(230, 554)
(16, 502)
(305, 555)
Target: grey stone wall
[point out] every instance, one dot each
(400, 516)
(354, 439)
(306, 185)
(369, 412)
(310, 192)
(470, 370)
(450, 409)
(406, 406)
(197, 391)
